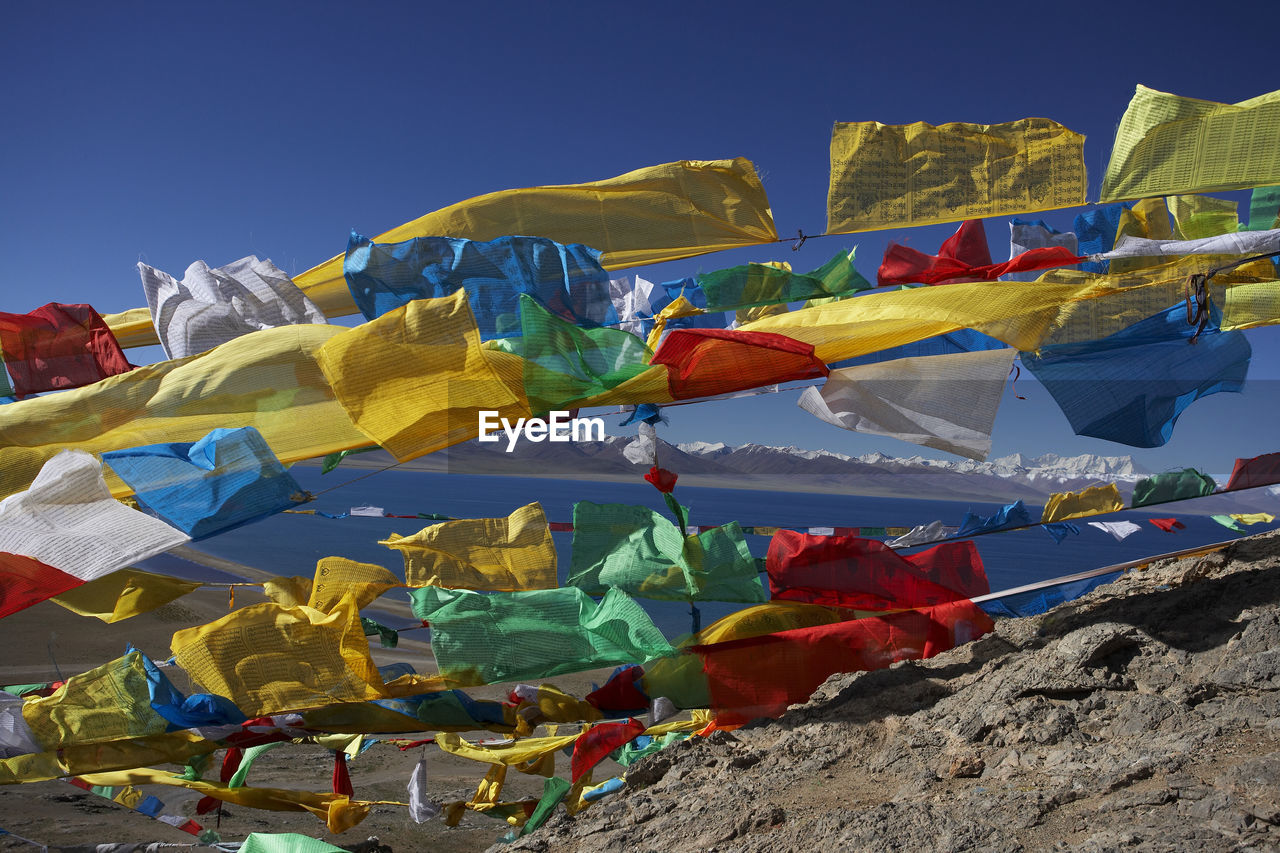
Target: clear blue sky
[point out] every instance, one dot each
(173, 132)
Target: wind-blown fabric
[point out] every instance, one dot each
(648, 216)
(268, 380)
(1256, 471)
(1026, 235)
(268, 659)
(865, 574)
(68, 523)
(884, 176)
(1172, 486)
(964, 256)
(640, 552)
(1196, 217)
(597, 742)
(1121, 530)
(1241, 243)
(1061, 530)
(1095, 231)
(707, 362)
(109, 702)
(1264, 209)
(1035, 602)
(1091, 501)
(1147, 219)
(1130, 387)
(1009, 515)
(514, 636)
(1168, 525)
(1167, 144)
(415, 379)
(962, 340)
(212, 306)
(336, 578)
(768, 284)
(761, 676)
(947, 402)
(500, 554)
(565, 365)
(58, 346)
(124, 594)
(921, 534)
(226, 479)
(567, 280)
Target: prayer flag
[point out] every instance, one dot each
(885, 176)
(1167, 144)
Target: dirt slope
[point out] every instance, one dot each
(1144, 716)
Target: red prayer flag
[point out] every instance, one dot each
(600, 740)
(662, 479)
(560, 526)
(59, 346)
(964, 257)
(760, 676)
(707, 362)
(866, 574)
(341, 778)
(1259, 471)
(1168, 525)
(25, 581)
(622, 692)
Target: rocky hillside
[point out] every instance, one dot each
(1144, 716)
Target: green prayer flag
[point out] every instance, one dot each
(763, 284)
(639, 551)
(1229, 523)
(286, 842)
(565, 364)
(515, 636)
(333, 460)
(1264, 209)
(553, 792)
(1172, 486)
(388, 638)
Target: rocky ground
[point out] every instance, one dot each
(1144, 716)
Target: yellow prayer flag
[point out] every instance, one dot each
(886, 176)
(269, 659)
(339, 812)
(649, 216)
(132, 328)
(123, 594)
(1149, 219)
(415, 379)
(1091, 501)
(109, 702)
(1197, 216)
(268, 380)
(1253, 517)
(288, 592)
(337, 577)
(517, 752)
(1020, 316)
(79, 758)
(1167, 144)
(497, 554)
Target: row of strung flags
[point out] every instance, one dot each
(830, 597)
(348, 387)
(413, 378)
(52, 532)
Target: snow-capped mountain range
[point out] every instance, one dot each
(791, 469)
